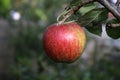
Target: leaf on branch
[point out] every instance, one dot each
(95, 29)
(93, 20)
(113, 32)
(96, 15)
(87, 8)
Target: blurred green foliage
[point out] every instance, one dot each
(31, 62)
(5, 6)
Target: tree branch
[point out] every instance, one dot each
(111, 7)
(117, 3)
(75, 9)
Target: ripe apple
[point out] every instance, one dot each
(64, 42)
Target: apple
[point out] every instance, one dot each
(110, 15)
(64, 42)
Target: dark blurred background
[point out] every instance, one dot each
(22, 57)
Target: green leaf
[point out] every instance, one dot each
(95, 29)
(93, 20)
(113, 32)
(87, 8)
(96, 15)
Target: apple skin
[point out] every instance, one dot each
(64, 42)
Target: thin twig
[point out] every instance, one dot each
(113, 25)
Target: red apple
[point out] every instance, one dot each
(110, 15)
(64, 42)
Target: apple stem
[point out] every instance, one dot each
(64, 15)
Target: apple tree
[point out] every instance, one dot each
(30, 60)
(91, 14)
